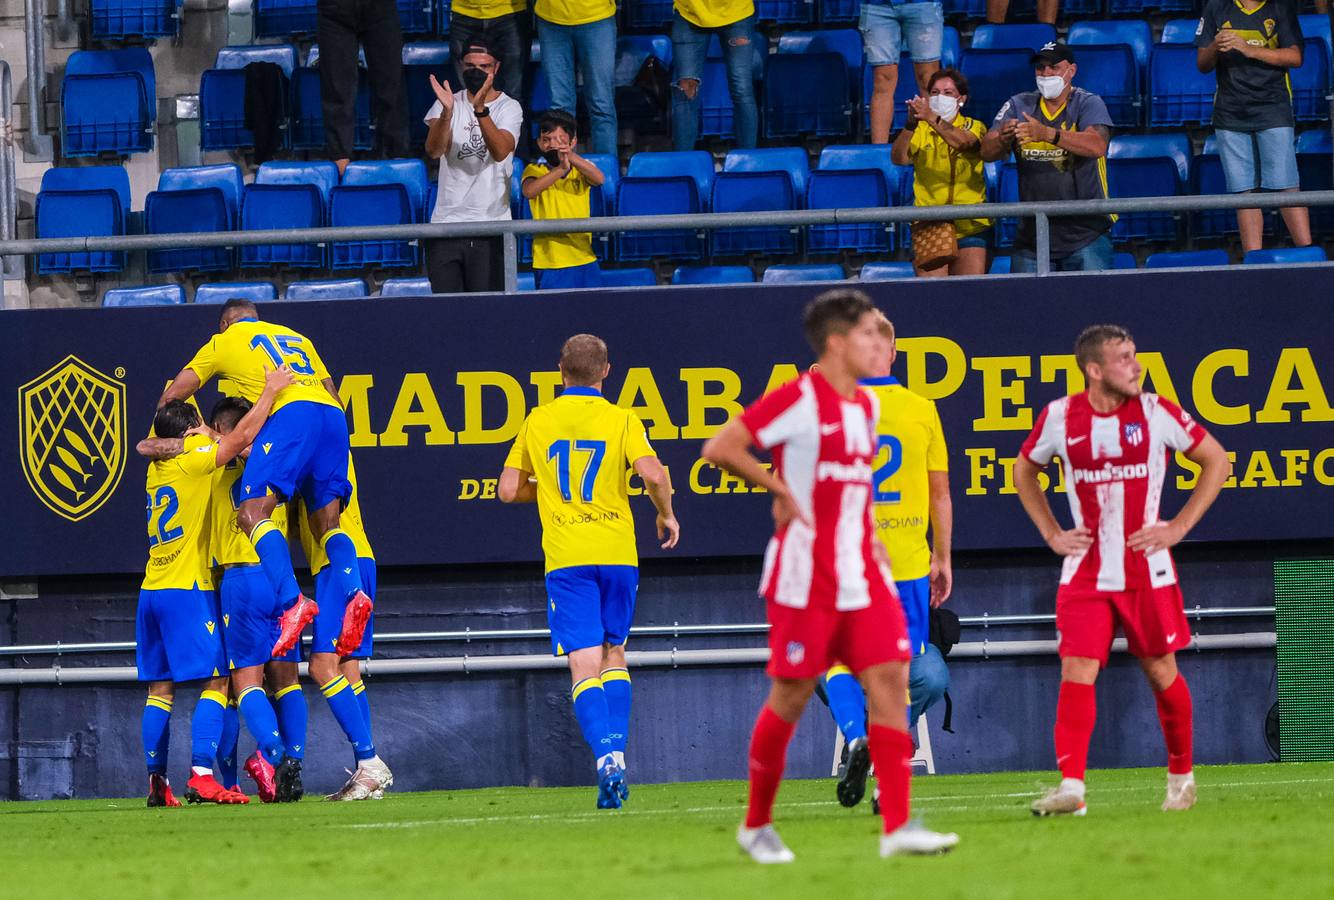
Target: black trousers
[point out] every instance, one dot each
(343, 26)
(465, 265)
(509, 37)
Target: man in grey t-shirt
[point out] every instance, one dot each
(1059, 135)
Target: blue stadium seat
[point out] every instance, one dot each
(861, 175)
(1207, 177)
(287, 195)
(643, 14)
(633, 49)
(809, 83)
(406, 287)
(792, 160)
(659, 184)
(846, 42)
(1140, 7)
(1186, 258)
(1310, 82)
(783, 12)
(715, 98)
(1000, 265)
(1004, 179)
(1110, 71)
(1013, 37)
(108, 102)
(753, 192)
(442, 10)
(82, 202)
(1135, 34)
(379, 192)
(1179, 93)
(635, 110)
(416, 16)
(713, 275)
(886, 271)
(221, 292)
(1314, 165)
(1285, 255)
(198, 198)
(421, 60)
(1316, 26)
(1179, 31)
(308, 114)
(282, 18)
(148, 295)
(830, 12)
(1156, 165)
(222, 94)
(115, 20)
(967, 9)
(994, 76)
(526, 281)
(332, 289)
(1124, 261)
(629, 278)
(809, 272)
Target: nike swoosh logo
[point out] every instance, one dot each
(1171, 637)
(1070, 442)
(830, 428)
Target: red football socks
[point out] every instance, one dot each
(891, 754)
(768, 755)
(1076, 711)
(1174, 712)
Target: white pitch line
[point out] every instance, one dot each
(737, 808)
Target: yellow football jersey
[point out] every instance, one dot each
(579, 447)
(912, 443)
(249, 348)
(349, 521)
(229, 545)
(179, 493)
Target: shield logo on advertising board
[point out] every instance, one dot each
(72, 437)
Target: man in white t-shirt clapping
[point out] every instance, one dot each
(473, 133)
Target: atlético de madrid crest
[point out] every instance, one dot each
(72, 437)
(1134, 434)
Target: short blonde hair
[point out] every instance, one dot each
(882, 322)
(583, 359)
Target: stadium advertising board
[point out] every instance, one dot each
(437, 389)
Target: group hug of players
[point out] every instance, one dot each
(859, 470)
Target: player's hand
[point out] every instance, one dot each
(669, 531)
(1158, 536)
(279, 378)
(204, 430)
(479, 100)
(785, 509)
(942, 581)
(1070, 543)
(443, 94)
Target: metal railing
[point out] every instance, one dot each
(37, 145)
(9, 191)
(1041, 213)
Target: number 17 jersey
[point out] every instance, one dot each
(579, 447)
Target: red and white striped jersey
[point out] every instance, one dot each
(823, 448)
(1115, 466)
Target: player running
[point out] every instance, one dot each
(303, 447)
(178, 637)
(826, 581)
(912, 488)
(1115, 442)
(571, 457)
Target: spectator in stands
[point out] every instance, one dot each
(998, 9)
(944, 148)
(585, 29)
(887, 29)
(559, 186)
(473, 133)
(693, 23)
(1253, 45)
(1059, 134)
(504, 26)
(343, 26)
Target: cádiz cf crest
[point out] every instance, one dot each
(72, 437)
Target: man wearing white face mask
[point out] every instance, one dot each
(1059, 135)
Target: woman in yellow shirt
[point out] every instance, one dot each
(945, 150)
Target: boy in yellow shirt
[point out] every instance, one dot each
(559, 188)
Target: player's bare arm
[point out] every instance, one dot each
(729, 449)
(239, 438)
(1215, 467)
(333, 391)
(942, 529)
(1063, 542)
(658, 485)
(182, 387)
(516, 486)
(156, 448)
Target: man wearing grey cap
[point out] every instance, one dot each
(1059, 136)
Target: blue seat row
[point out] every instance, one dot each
(811, 272)
(290, 18)
(119, 19)
(108, 102)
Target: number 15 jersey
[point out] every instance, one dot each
(579, 447)
(249, 348)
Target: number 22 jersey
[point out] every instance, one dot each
(179, 526)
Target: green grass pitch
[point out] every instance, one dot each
(1257, 831)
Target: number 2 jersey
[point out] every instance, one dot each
(1115, 468)
(179, 523)
(249, 348)
(824, 446)
(579, 446)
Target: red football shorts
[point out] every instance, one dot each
(804, 643)
(1152, 619)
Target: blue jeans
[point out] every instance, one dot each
(1262, 160)
(690, 46)
(928, 680)
(889, 29)
(595, 44)
(1092, 257)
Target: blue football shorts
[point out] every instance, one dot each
(302, 447)
(328, 622)
(178, 635)
(588, 606)
(250, 611)
(915, 595)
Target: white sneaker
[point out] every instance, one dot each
(376, 768)
(914, 838)
(1059, 801)
(1180, 793)
(367, 783)
(763, 844)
